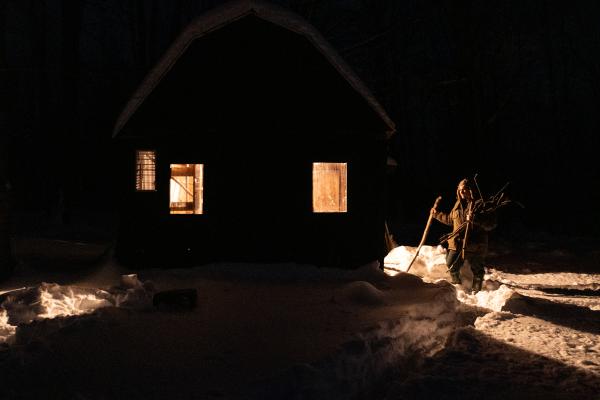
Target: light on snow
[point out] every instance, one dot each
(429, 259)
(62, 301)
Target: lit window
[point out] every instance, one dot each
(186, 188)
(329, 187)
(145, 170)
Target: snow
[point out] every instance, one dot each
(264, 331)
(50, 300)
(271, 331)
(566, 280)
(551, 336)
(7, 331)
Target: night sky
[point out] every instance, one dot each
(506, 89)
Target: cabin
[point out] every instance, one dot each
(251, 140)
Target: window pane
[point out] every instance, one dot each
(186, 188)
(329, 187)
(145, 170)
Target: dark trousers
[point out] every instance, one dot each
(454, 262)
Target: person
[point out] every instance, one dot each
(476, 235)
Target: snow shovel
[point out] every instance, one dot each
(435, 205)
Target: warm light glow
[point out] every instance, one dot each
(145, 170)
(329, 187)
(186, 189)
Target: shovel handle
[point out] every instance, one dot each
(435, 205)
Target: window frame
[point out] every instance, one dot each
(136, 164)
(343, 201)
(182, 211)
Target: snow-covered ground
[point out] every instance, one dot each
(534, 335)
(257, 331)
(296, 331)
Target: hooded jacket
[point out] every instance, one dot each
(477, 242)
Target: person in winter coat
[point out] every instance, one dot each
(476, 246)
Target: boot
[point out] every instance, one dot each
(455, 277)
(477, 282)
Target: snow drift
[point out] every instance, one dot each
(274, 331)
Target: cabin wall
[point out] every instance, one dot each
(257, 207)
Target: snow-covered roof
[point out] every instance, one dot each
(231, 12)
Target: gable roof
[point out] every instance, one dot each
(228, 13)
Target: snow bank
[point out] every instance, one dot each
(500, 290)
(348, 330)
(361, 293)
(431, 261)
(418, 321)
(546, 323)
(50, 301)
(7, 331)
(494, 300)
(431, 266)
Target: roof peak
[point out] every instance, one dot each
(227, 13)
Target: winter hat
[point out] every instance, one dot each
(466, 184)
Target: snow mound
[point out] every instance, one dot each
(430, 264)
(327, 334)
(406, 281)
(50, 301)
(494, 300)
(360, 293)
(418, 328)
(7, 330)
(431, 260)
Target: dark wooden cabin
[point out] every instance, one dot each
(251, 140)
